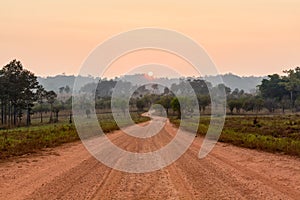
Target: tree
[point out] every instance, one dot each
(51, 96)
(88, 112)
(176, 106)
(141, 104)
(270, 104)
(61, 90)
(41, 95)
(120, 103)
(259, 103)
(104, 88)
(183, 88)
(18, 87)
(165, 101)
(223, 87)
(231, 105)
(166, 91)
(292, 83)
(199, 86)
(187, 105)
(154, 88)
(297, 104)
(3, 95)
(57, 106)
(30, 83)
(203, 101)
(284, 103)
(249, 103)
(273, 87)
(235, 93)
(67, 89)
(236, 104)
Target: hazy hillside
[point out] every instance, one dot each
(230, 80)
(247, 83)
(55, 82)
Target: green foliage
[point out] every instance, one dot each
(165, 101)
(278, 88)
(19, 91)
(141, 104)
(176, 106)
(273, 134)
(19, 141)
(203, 101)
(272, 87)
(235, 104)
(27, 140)
(120, 103)
(199, 86)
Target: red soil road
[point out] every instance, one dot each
(228, 172)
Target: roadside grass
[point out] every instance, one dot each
(23, 140)
(270, 133)
(108, 123)
(19, 141)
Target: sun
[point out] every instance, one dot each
(149, 75)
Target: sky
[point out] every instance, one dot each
(50, 37)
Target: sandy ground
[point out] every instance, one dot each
(228, 172)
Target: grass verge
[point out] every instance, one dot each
(270, 133)
(19, 141)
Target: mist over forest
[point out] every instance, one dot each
(246, 83)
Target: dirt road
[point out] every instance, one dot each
(228, 172)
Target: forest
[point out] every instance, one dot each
(269, 115)
(21, 95)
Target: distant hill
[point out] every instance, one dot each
(55, 82)
(246, 83)
(230, 80)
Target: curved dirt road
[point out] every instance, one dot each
(228, 172)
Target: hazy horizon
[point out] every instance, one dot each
(229, 73)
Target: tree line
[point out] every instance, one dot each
(275, 92)
(21, 95)
(147, 95)
(19, 92)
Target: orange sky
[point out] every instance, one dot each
(50, 37)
